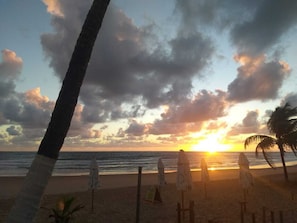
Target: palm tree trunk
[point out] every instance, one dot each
(29, 198)
(282, 153)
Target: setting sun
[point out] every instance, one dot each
(211, 144)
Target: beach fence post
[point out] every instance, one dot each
(281, 217)
(178, 213)
(272, 216)
(192, 213)
(94, 182)
(241, 217)
(264, 214)
(183, 206)
(180, 210)
(138, 194)
(242, 210)
(92, 200)
(253, 217)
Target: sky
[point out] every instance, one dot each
(198, 75)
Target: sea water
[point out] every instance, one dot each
(77, 163)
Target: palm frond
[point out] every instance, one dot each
(254, 139)
(265, 145)
(283, 120)
(290, 140)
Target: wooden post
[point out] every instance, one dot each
(182, 204)
(243, 205)
(281, 217)
(241, 213)
(138, 194)
(178, 213)
(264, 215)
(192, 213)
(253, 218)
(92, 200)
(272, 216)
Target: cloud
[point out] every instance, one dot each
(31, 109)
(218, 14)
(11, 65)
(250, 124)
(270, 22)
(80, 128)
(27, 115)
(10, 70)
(136, 129)
(257, 79)
(190, 115)
(205, 106)
(290, 98)
(163, 127)
(129, 63)
(134, 71)
(13, 130)
(54, 7)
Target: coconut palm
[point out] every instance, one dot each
(28, 199)
(283, 124)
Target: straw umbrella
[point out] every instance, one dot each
(245, 177)
(204, 175)
(161, 174)
(184, 177)
(93, 178)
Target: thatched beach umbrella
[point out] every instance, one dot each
(204, 175)
(94, 182)
(161, 173)
(245, 177)
(184, 177)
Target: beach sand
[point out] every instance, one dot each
(115, 200)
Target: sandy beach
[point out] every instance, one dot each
(115, 200)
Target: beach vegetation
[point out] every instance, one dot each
(283, 125)
(63, 212)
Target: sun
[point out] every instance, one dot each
(212, 144)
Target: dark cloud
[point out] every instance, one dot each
(213, 13)
(10, 69)
(204, 107)
(270, 22)
(163, 127)
(26, 113)
(291, 99)
(6, 88)
(11, 65)
(134, 70)
(120, 133)
(29, 113)
(250, 124)
(136, 129)
(257, 79)
(190, 115)
(13, 130)
(124, 67)
(56, 49)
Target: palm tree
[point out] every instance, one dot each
(283, 124)
(28, 200)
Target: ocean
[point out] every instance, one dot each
(110, 163)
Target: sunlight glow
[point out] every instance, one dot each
(212, 144)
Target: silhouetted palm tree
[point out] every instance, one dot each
(28, 199)
(283, 124)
